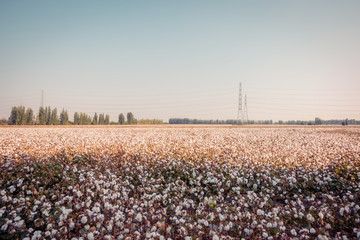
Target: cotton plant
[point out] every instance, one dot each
(179, 183)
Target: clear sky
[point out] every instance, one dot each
(163, 59)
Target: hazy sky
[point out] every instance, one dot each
(162, 59)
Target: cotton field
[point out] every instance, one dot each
(180, 183)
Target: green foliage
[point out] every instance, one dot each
(130, 118)
(48, 115)
(54, 120)
(101, 119)
(150, 121)
(318, 121)
(76, 118)
(19, 116)
(121, 119)
(12, 119)
(64, 117)
(95, 119)
(107, 119)
(29, 116)
(81, 119)
(42, 116)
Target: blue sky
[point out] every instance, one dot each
(162, 59)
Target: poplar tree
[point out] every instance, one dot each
(64, 118)
(42, 116)
(48, 115)
(130, 118)
(12, 118)
(29, 116)
(76, 118)
(95, 119)
(121, 119)
(101, 119)
(54, 118)
(107, 119)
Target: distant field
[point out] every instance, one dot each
(180, 182)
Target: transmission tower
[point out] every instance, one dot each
(246, 111)
(240, 114)
(42, 98)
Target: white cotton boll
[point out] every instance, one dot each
(215, 237)
(304, 230)
(118, 224)
(4, 227)
(71, 225)
(90, 236)
(109, 227)
(12, 188)
(78, 194)
(83, 219)
(36, 236)
(19, 224)
(310, 217)
(312, 230)
(206, 223)
(342, 211)
(138, 217)
(259, 212)
(293, 232)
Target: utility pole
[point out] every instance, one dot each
(240, 110)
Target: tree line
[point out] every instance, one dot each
(200, 121)
(47, 116)
(317, 121)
